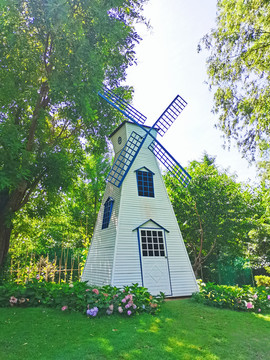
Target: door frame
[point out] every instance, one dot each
(139, 229)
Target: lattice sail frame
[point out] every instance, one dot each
(124, 107)
(170, 163)
(125, 159)
(134, 143)
(170, 114)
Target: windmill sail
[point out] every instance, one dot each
(134, 143)
(125, 159)
(170, 163)
(170, 114)
(124, 107)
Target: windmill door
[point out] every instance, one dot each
(155, 269)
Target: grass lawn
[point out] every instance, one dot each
(182, 330)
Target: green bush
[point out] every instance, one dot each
(245, 298)
(81, 297)
(262, 280)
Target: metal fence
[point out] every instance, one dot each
(64, 267)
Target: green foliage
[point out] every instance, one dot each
(79, 296)
(55, 56)
(47, 225)
(262, 280)
(238, 69)
(215, 213)
(244, 298)
(259, 250)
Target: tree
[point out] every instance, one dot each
(55, 55)
(67, 221)
(215, 213)
(239, 71)
(259, 249)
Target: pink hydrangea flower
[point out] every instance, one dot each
(134, 306)
(127, 306)
(87, 290)
(249, 305)
(120, 309)
(111, 307)
(268, 297)
(255, 296)
(129, 312)
(259, 310)
(95, 291)
(13, 300)
(64, 308)
(124, 300)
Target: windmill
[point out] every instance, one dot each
(135, 142)
(137, 238)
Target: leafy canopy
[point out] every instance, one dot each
(215, 213)
(54, 57)
(239, 72)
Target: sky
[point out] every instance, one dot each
(169, 64)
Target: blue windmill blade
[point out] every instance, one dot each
(170, 114)
(170, 163)
(125, 159)
(124, 107)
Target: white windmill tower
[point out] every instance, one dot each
(137, 238)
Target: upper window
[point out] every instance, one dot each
(107, 212)
(145, 183)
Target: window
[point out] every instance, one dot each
(145, 183)
(107, 212)
(152, 242)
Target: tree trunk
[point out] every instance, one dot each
(5, 232)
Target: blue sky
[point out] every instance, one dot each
(168, 64)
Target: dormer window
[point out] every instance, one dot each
(145, 182)
(107, 212)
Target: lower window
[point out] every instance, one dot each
(152, 242)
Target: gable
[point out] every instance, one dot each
(151, 224)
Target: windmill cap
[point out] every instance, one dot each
(129, 122)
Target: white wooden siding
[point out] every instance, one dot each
(114, 256)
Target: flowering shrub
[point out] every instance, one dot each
(244, 298)
(81, 297)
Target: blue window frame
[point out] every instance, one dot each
(145, 183)
(107, 212)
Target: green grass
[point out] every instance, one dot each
(182, 330)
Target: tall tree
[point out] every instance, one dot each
(44, 224)
(215, 213)
(239, 72)
(55, 55)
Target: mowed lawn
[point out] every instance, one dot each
(182, 330)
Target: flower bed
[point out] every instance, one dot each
(244, 298)
(79, 296)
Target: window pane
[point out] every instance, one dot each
(151, 245)
(145, 183)
(107, 212)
